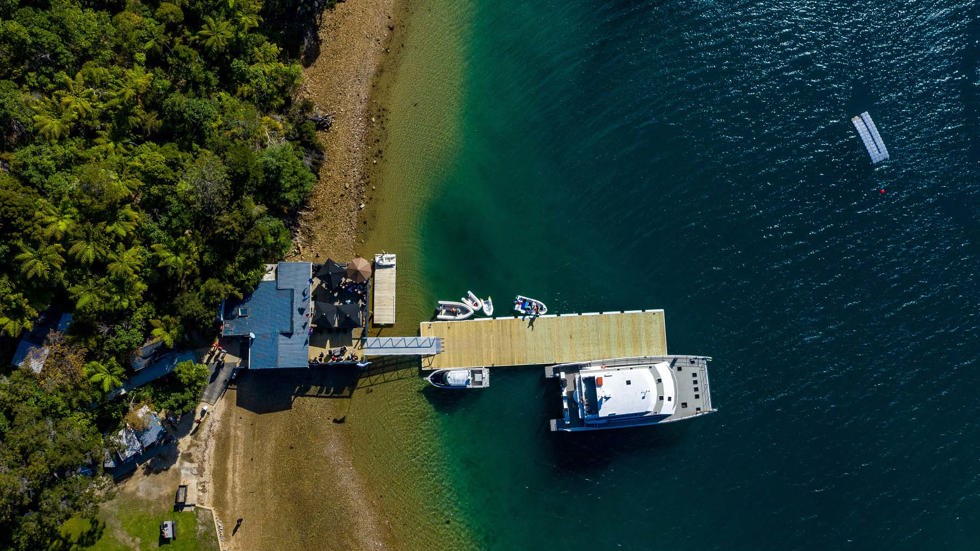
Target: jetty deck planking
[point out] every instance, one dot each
(384, 296)
(499, 342)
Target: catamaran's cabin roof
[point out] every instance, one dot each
(627, 392)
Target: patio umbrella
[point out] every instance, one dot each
(359, 270)
(349, 316)
(325, 314)
(331, 273)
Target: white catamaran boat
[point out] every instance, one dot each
(453, 311)
(631, 392)
(460, 378)
(529, 306)
(473, 301)
(488, 306)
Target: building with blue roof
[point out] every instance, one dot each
(131, 443)
(32, 350)
(273, 322)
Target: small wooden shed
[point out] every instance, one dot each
(180, 500)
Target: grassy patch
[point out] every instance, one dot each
(133, 523)
(78, 532)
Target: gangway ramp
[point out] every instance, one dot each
(402, 346)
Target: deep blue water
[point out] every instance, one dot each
(698, 157)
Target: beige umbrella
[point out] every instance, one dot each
(359, 270)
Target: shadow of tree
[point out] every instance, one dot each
(295, 24)
(183, 426)
(163, 457)
(78, 533)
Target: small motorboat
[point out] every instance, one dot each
(529, 306)
(460, 378)
(452, 310)
(384, 260)
(488, 306)
(473, 301)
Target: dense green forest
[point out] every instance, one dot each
(152, 157)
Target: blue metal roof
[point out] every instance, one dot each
(35, 338)
(153, 431)
(276, 314)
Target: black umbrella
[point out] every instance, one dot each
(325, 314)
(331, 273)
(349, 316)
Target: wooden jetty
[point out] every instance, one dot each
(384, 290)
(499, 342)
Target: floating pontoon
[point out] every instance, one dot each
(869, 135)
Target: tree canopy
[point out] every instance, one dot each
(44, 439)
(152, 158)
(153, 155)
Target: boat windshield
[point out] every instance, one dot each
(458, 377)
(590, 396)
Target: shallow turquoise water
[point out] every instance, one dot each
(699, 158)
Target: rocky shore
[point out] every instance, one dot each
(355, 38)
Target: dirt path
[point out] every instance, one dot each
(354, 38)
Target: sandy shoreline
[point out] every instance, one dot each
(261, 432)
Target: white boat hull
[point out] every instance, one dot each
(460, 379)
(453, 311)
(488, 306)
(526, 306)
(473, 301)
(384, 260)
